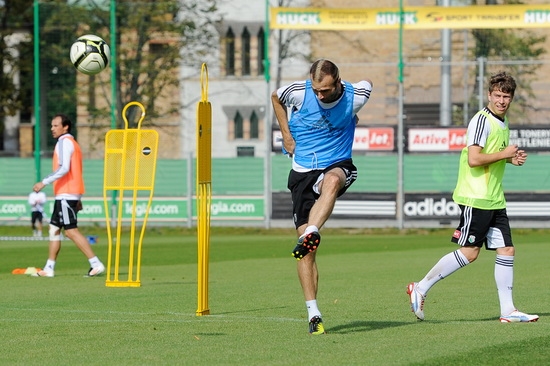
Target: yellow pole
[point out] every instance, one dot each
(204, 191)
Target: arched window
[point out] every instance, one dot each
(261, 52)
(245, 55)
(239, 125)
(254, 126)
(230, 52)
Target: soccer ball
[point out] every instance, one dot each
(90, 54)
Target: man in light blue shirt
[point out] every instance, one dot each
(319, 137)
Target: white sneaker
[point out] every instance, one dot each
(43, 273)
(95, 271)
(517, 317)
(416, 300)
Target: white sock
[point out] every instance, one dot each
(310, 229)
(50, 265)
(448, 264)
(94, 261)
(504, 278)
(312, 309)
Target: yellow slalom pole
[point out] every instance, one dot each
(204, 191)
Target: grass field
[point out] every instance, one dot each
(258, 315)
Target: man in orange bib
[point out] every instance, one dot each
(68, 186)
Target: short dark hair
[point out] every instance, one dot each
(65, 121)
(320, 68)
(503, 82)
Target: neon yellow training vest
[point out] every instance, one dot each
(481, 187)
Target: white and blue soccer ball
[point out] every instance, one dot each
(90, 54)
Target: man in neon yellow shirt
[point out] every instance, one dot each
(479, 194)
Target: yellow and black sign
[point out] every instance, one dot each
(425, 17)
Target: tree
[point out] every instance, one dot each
(153, 39)
(508, 44)
(58, 78)
(290, 44)
(15, 16)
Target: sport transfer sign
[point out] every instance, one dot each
(419, 17)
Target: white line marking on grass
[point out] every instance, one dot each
(27, 238)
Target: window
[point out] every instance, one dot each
(261, 52)
(421, 114)
(230, 52)
(245, 151)
(254, 126)
(242, 49)
(158, 48)
(239, 126)
(245, 54)
(244, 122)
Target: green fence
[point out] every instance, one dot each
(238, 176)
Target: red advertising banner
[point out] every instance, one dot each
(374, 139)
(436, 139)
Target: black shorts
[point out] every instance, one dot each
(303, 194)
(64, 214)
(479, 227)
(36, 216)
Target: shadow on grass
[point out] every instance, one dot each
(365, 326)
(251, 310)
(541, 315)
(473, 319)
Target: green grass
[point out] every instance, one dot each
(258, 315)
